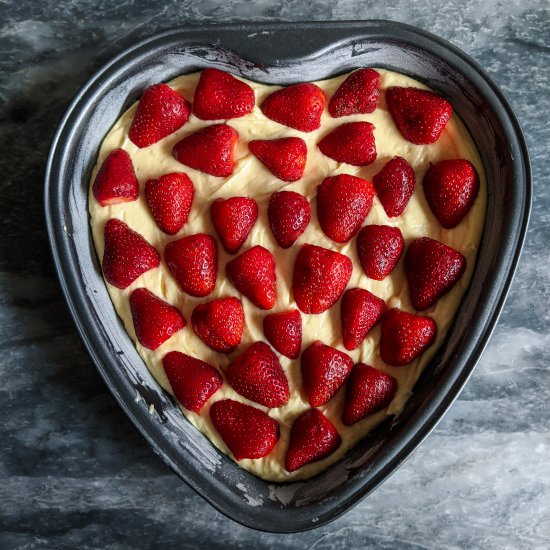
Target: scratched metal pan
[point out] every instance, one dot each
(285, 53)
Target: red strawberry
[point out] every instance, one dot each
(451, 187)
(432, 269)
(210, 150)
(154, 320)
(116, 180)
(320, 276)
(360, 311)
(160, 112)
(257, 375)
(285, 158)
(289, 215)
(193, 261)
(169, 199)
(312, 438)
(324, 370)
(284, 332)
(420, 115)
(394, 185)
(405, 336)
(379, 248)
(233, 220)
(369, 390)
(193, 381)
(219, 323)
(253, 274)
(221, 96)
(299, 106)
(357, 94)
(127, 254)
(352, 143)
(247, 431)
(343, 203)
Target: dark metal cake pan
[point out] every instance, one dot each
(285, 53)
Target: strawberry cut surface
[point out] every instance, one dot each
(116, 180)
(352, 143)
(285, 158)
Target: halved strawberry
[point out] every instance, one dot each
(312, 438)
(233, 220)
(193, 261)
(220, 95)
(324, 371)
(357, 94)
(432, 269)
(420, 115)
(289, 215)
(127, 254)
(116, 180)
(247, 431)
(160, 112)
(284, 332)
(210, 150)
(352, 143)
(343, 202)
(299, 106)
(193, 381)
(253, 274)
(451, 187)
(170, 198)
(368, 391)
(405, 336)
(219, 323)
(320, 276)
(285, 158)
(360, 310)
(379, 248)
(394, 185)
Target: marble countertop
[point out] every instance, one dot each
(74, 472)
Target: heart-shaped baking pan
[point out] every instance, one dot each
(285, 53)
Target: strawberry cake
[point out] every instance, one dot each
(287, 259)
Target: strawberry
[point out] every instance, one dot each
(219, 323)
(357, 94)
(360, 311)
(253, 274)
(289, 215)
(419, 115)
(451, 187)
(127, 254)
(352, 143)
(257, 375)
(247, 431)
(169, 199)
(379, 248)
(193, 261)
(320, 276)
(160, 112)
(368, 391)
(220, 95)
(116, 180)
(233, 220)
(193, 381)
(343, 202)
(432, 269)
(285, 158)
(324, 370)
(312, 438)
(394, 185)
(299, 106)
(405, 336)
(284, 332)
(154, 320)
(210, 150)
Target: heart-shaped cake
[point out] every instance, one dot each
(287, 259)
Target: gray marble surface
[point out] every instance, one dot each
(74, 473)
